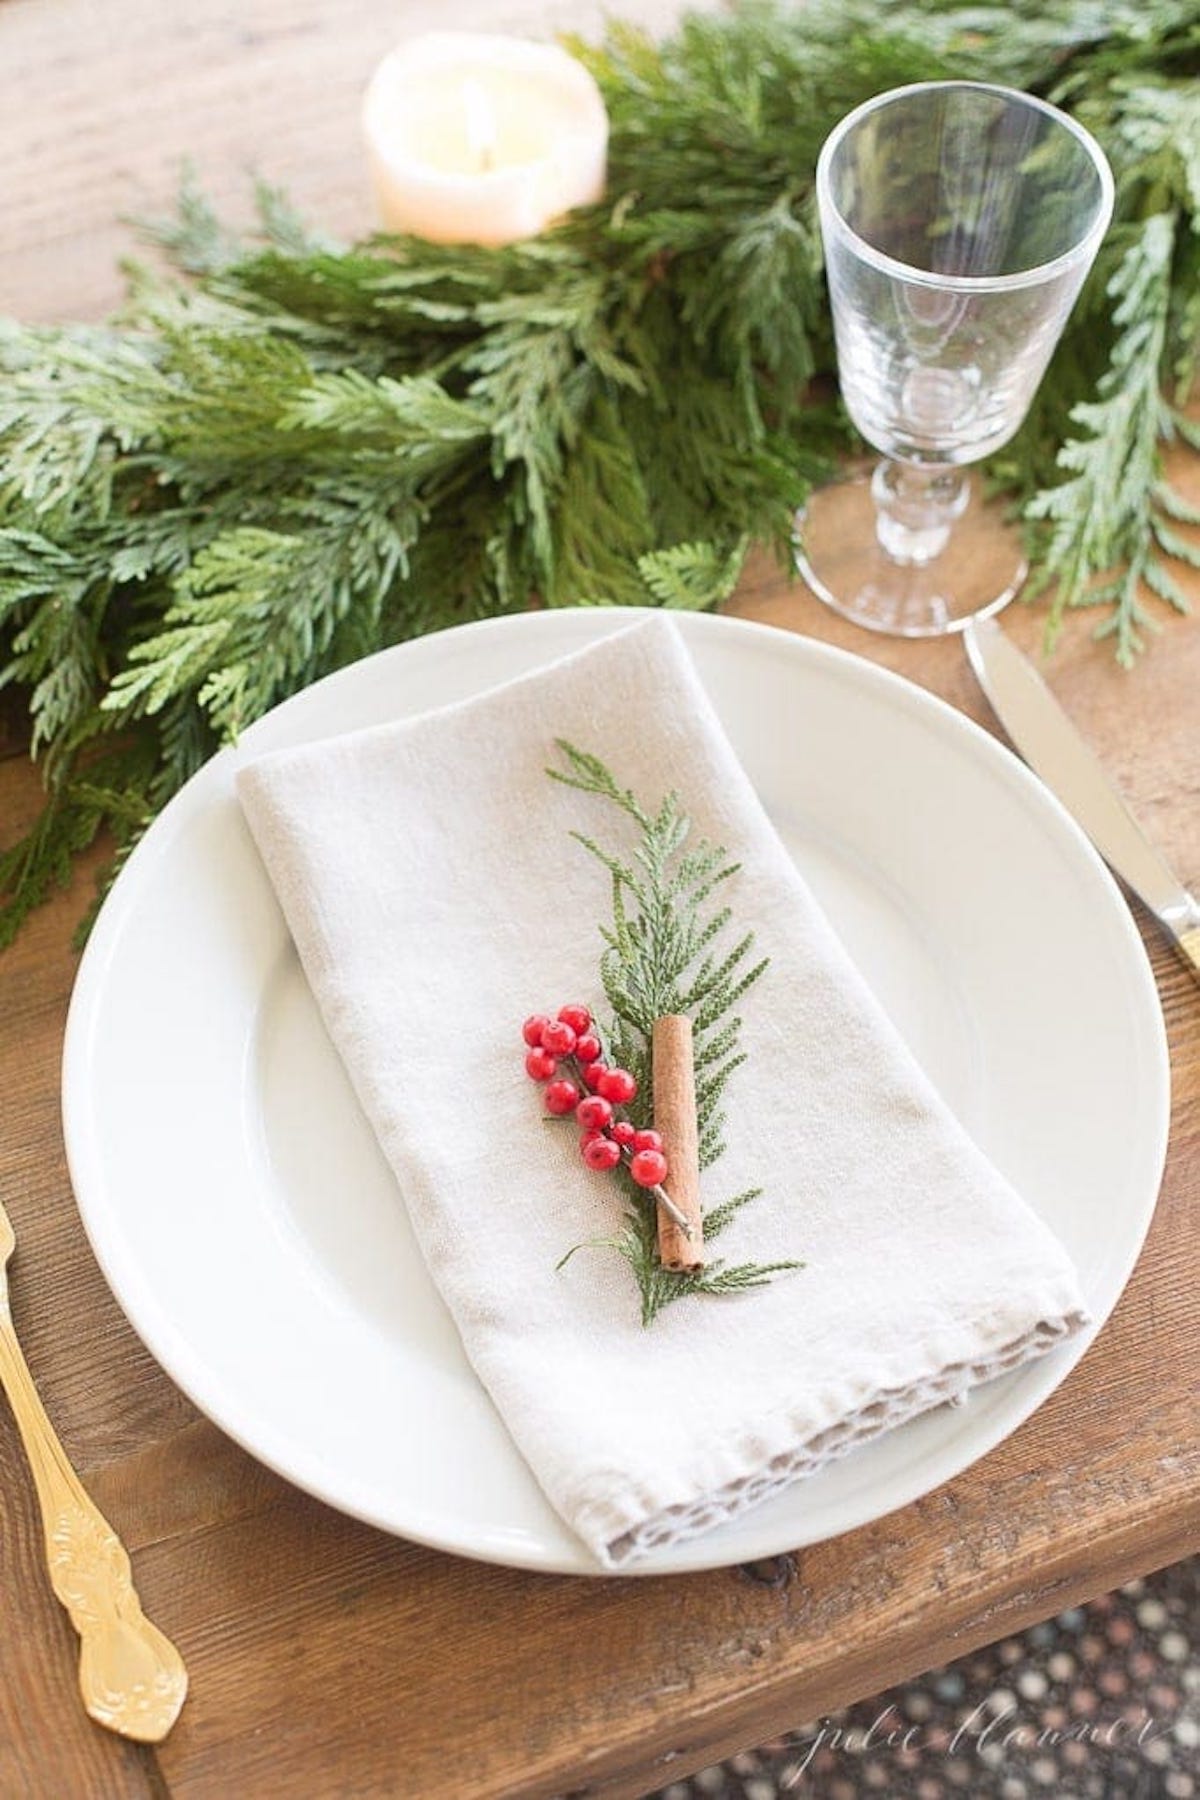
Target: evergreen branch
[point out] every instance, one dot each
(589, 775)
(716, 1220)
(193, 237)
(1104, 512)
(286, 453)
(735, 1278)
(712, 1141)
(648, 970)
(693, 577)
(107, 795)
(660, 1287)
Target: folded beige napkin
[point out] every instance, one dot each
(436, 898)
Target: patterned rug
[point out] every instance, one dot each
(1101, 1703)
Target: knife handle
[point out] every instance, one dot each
(1188, 946)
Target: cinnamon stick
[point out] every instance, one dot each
(675, 1121)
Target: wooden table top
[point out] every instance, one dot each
(325, 1657)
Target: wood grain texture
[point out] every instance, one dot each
(325, 1657)
(103, 101)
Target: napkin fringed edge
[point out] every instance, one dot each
(620, 1530)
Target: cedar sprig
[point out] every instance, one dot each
(662, 956)
(1103, 521)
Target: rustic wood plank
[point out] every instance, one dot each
(326, 1657)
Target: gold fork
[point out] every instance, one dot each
(131, 1677)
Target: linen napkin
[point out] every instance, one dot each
(436, 897)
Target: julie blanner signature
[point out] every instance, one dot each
(1002, 1729)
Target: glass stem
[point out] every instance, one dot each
(916, 505)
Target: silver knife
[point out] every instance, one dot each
(1050, 744)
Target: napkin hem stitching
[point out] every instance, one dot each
(618, 1543)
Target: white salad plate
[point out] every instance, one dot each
(249, 1227)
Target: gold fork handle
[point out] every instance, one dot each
(131, 1677)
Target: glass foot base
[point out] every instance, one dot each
(837, 552)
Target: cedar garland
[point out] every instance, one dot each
(286, 454)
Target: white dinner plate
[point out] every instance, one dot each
(248, 1224)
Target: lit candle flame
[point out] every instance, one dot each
(481, 124)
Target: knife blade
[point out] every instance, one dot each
(1041, 731)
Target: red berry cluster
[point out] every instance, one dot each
(569, 1042)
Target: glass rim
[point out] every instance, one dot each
(1034, 276)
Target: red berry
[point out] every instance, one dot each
(593, 1074)
(533, 1028)
(599, 1152)
(558, 1038)
(647, 1140)
(593, 1113)
(539, 1065)
(616, 1085)
(561, 1097)
(622, 1130)
(587, 1047)
(577, 1017)
(648, 1168)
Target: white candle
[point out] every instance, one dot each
(480, 139)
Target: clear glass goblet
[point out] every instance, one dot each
(959, 221)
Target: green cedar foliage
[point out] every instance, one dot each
(667, 952)
(286, 454)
